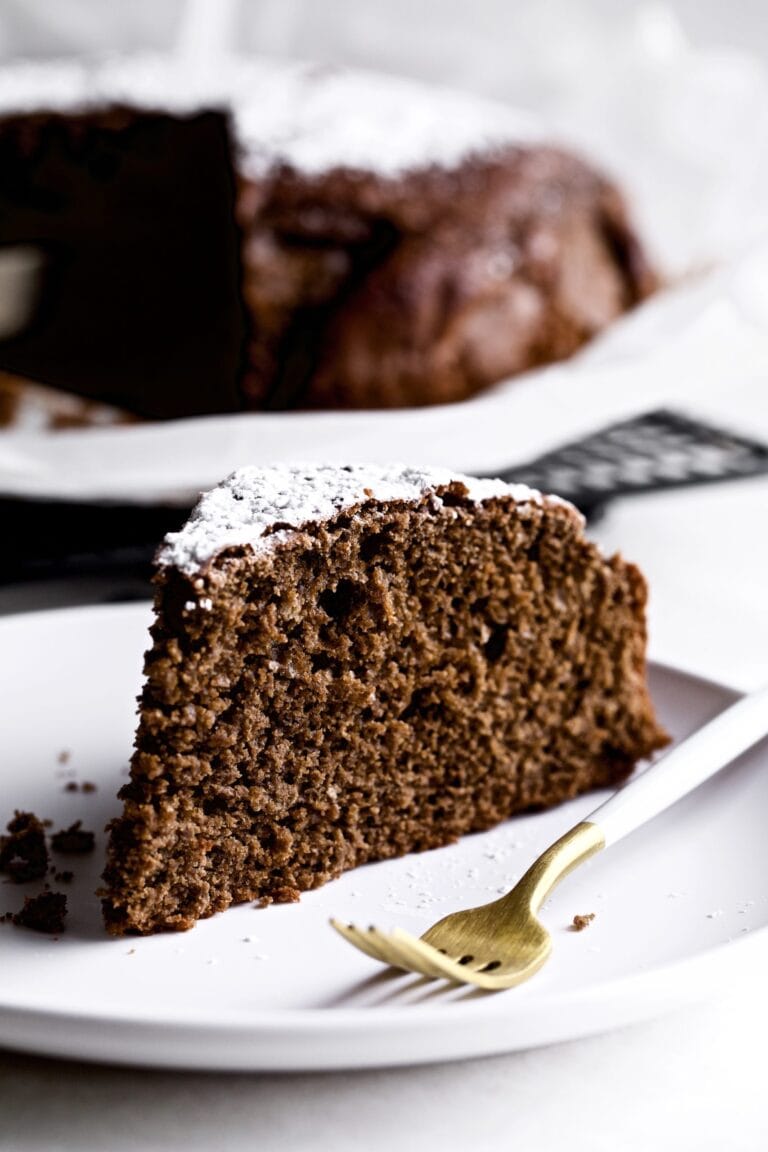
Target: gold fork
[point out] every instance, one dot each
(501, 944)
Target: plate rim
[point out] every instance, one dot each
(240, 1046)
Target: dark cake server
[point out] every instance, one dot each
(649, 453)
(653, 452)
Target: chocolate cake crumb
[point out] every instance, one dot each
(71, 786)
(64, 755)
(87, 786)
(44, 913)
(65, 877)
(73, 841)
(406, 665)
(23, 854)
(285, 894)
(582, 922)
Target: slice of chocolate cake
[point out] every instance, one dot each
(353, 663)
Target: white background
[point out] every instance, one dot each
(695, 1081)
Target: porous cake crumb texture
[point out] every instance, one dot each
(383, 681)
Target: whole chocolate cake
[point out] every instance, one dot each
(349, 664)
(282, 235)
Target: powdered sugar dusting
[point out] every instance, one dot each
(313, 118)
(254, 500)
(54, 85)
(320, 119)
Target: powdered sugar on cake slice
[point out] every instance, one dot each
(252, 501)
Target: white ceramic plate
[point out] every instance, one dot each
(681, 906)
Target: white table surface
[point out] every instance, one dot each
(694, 1082)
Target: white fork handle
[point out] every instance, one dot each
(684, 768)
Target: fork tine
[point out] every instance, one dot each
(398, 954)
(451, 968)
(478, 964)
(361, 939)
(386, 949)
(439, 965)
(399, 949)
(422, 957)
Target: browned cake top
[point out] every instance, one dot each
(262, 507)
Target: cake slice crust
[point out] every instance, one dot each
(378, 680)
